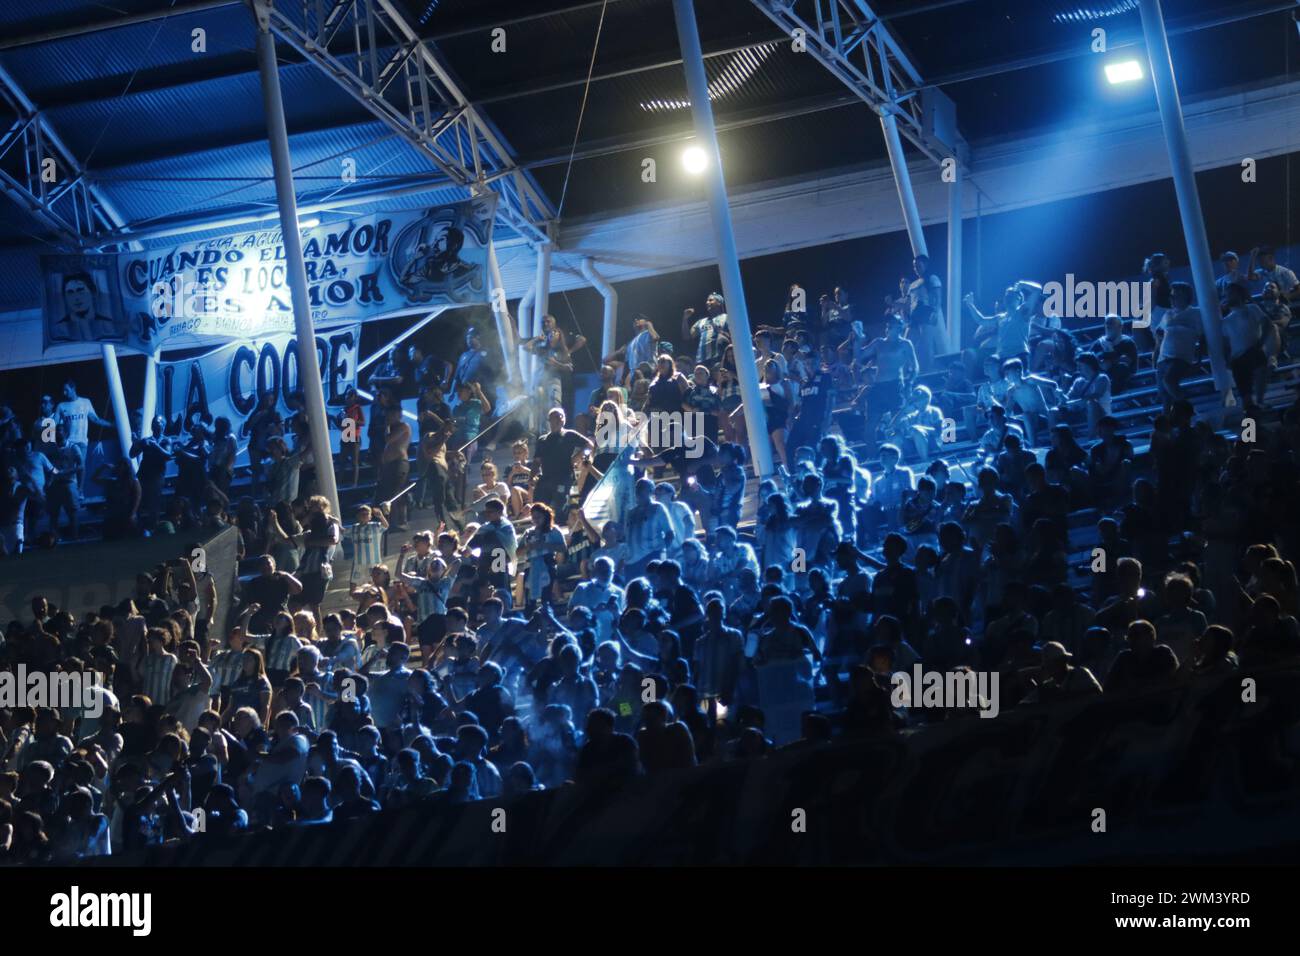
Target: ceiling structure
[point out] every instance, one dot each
(160, 138)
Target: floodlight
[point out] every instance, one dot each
(695, 160)
(1125, 71)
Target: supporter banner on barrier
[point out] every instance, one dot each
(237, 286)
(91, 575)
(227, 381)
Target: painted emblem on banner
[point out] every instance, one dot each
(443, 256)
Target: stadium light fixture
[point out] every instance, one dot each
(695, 160)
(1125, 71)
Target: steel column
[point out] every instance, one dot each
(502, 315)
(121, 417)
(903, 180)
(541, 304)
(697, 86)
(149, 404)
(308, 377)
(609, 325)
(954, 308)
(1189, 200)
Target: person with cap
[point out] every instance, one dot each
(1231, 273)
(1178, 343)
(1058, 679)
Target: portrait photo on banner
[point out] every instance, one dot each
(82, 300)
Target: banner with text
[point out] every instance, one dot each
(237, 286)
(228, 381)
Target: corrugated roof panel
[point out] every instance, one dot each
(164, 187)
(109, 59)
(190, 118)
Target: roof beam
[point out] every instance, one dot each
(851, 41)
(41, 174)
(419, 100)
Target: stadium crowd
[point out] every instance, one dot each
(618, 594)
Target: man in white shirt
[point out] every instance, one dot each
(388, 690)
(924, 303)
(1179, 334)
(1090, 391)
(1011, 327)
(683, 518)
(156, 669)
(896, 367)
(649, 530)
(285, 763)
(1270, 271)
(602, 596)
(76, 414)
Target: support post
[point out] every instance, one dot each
(903, 180)
(121, 417)
(609, 327)
(526, 333)
(1189, 200)
(541, 305)
(149, 404)
(733, 289)
(308, 378)
(505, 334)
(954, 261)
